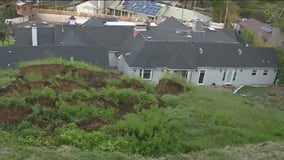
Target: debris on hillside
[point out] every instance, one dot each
(168, 86)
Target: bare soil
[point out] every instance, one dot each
(65, 85)
(14, 115)
(92, 124)
(167, 86)
(133, 84)
(46, 70)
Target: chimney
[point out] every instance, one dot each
(34, 35)
(141, 27)
(197, 25)
(72, 20)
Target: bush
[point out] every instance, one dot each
(6, 81)
(70, 134)
(118, 96)
(151, 133)
(33, 77)
(147, 98)
(36, 95)
(12, 102)
(170, 100)
(44, 113)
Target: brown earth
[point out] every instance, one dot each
(133, 84)
(37, 84)
(92, 124)
(128, 107)
(21, 88)
(14, 115)
(46, 70)
(42, 101)
(13, 90)
(167, 86)
(65, 85)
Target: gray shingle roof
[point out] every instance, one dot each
(67, 35)
(167, 31)
(94, 21)
(97, 55)
(185, 55)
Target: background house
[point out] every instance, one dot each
(266, 31)
(93, 6)
(203, 58)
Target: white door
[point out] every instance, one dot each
(229, 76)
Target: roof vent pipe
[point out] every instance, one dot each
(240, 51)
(200, 50)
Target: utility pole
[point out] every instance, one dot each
(226, 14)
(182, 10)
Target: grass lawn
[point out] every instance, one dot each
(270, 97)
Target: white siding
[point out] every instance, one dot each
(246, 78)
(123, 66)
(243, 76)
(112, 58)
(91, 7)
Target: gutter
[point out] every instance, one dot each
(239, 88)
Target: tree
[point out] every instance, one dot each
(258, 41)
(275, 13)
(225, 12)
(4, 34)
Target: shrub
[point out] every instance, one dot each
(170, 100)
(37, 94)
(146, 100)
(70, 134)
(45, 113)
(6, 81)
(177, 79)
(8, 102)
(33, 77)
(118, 96)
(151, 133)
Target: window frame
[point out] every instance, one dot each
(265, 72)
(203, 79)
(142, 74)
(253, 73)
(183, 73)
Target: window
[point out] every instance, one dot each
(201, 77)
(181, 73)
(265, 72)
(146, 74)
(253, 72)
(235, 75)
(224, 75)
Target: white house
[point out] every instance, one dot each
(91, 7)
(203, 58)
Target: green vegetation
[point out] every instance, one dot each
(254, 40)
(280, 52)
(274, 12)
(71, 63)
(125, 118)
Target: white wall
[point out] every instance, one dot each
(122, 66)
(243, 77)
(96, 6)
(60, 18)
(17, 20)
